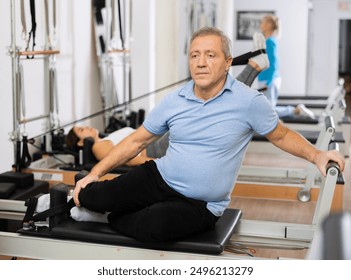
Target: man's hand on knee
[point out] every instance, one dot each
(81, 184)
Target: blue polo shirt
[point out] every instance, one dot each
(208, 139)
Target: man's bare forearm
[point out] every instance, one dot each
(293, 142)
(118, 156)
(126, 150)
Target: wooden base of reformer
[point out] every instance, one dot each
(281, 192)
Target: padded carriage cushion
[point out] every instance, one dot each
(311, 136)
(33, 190)
(22, 180)
(304, 97)
(7, 189)
(88, 156)
(303, 120)
(320, 105)
(209, 242)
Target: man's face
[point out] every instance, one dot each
(207, 62)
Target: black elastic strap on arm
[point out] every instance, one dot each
(244, 58)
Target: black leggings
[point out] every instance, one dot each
(143, 206)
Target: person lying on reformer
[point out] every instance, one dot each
(102, 146)
(211, 121)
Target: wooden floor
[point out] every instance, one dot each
(280, 210)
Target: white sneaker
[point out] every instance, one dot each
(305, 112)
(43, 203)
(259, 43)
(82, 214)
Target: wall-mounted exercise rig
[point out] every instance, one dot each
(18, 58)
(112, 28)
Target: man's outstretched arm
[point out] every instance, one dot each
(294, 143)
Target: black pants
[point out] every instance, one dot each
(143, 206)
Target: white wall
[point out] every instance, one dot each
(6, 149)
(324, 36)
(172, 36)
(293, 41)
(143, 50)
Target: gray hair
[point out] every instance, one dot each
(205, 31)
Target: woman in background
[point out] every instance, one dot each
(270, 78)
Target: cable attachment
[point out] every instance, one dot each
(32, 32)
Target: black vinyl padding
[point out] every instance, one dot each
(315, 102)
(22, 180)
(300, 120)
(211, 242)
(311, 136)
(7, 189)
(33, 190)
(312, 97)
(309, 105)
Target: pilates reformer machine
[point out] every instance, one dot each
(54, 135)
(27, 186)
(112, 29)
(49, 169)
(318, 104)
(18, 58)
(334, 106)
(260, 144)
(282, 176)
(59, 240)
(67, 239)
